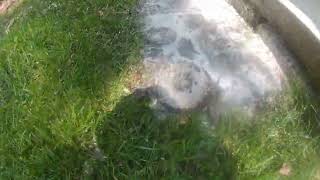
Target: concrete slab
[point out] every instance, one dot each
(211, 35)
(297, 22)
(311, 8)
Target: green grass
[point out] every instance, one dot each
(65, 112)
(286, 133)
(63, 65)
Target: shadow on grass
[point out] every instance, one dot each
(56, 61)
(137, 145)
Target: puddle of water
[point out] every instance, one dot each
(212, 36)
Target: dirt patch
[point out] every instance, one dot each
(5, 5)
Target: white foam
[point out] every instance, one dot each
(248, 72)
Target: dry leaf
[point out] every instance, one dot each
(285, 170)
(5, 5)
(317, 175)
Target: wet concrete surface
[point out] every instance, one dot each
(195, 49)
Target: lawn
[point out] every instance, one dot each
(67, 69)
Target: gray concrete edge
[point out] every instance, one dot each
(299, 39)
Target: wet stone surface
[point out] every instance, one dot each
(153, 51)
(161, 36)
(194, 21)
(197, 49)
(186, 48)
(182, 86)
